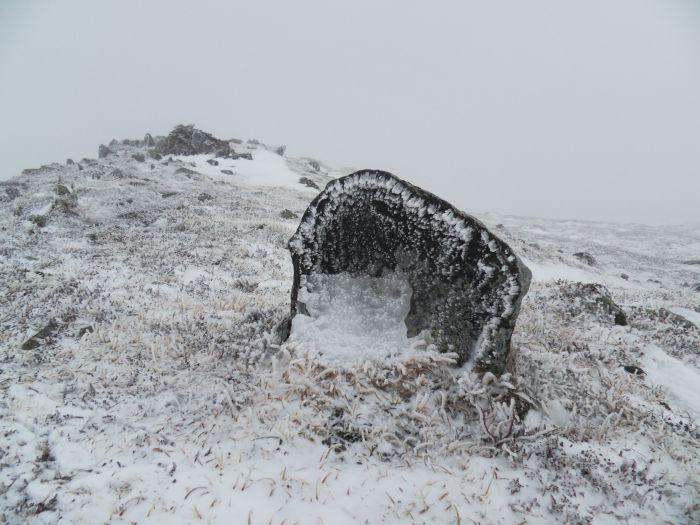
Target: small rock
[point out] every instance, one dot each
(280, 151)
(625, 276)
(12, 193)
(114, 143)
(694, 262)
(233, 155)
(103, 151)
(288, 214)
(139, 157)
(80, 168)
(69, 162)
(213, 162)
(634, 370)
(39, 220)
(155, 155)
(695, 287)
(168, 194)
(148, 140)
(227, 172)
(204, 197)
(586, 257)
(35, 341)
(236, 141)
(315, 165)
(61, 189)
(308, 182)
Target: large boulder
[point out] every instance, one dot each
(467, 284)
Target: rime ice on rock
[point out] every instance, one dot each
(467, 284)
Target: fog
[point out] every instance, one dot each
(583, 110)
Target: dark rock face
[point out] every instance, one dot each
(103, 151)
(213, 162)
(139, 157)
(227, 172)
(186, 140)
(280, 151)
(467, 284)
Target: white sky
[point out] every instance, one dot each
(587, 109)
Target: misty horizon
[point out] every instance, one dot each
(582, 112)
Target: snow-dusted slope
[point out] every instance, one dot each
(141, 381)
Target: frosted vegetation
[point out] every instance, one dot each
(142, 378)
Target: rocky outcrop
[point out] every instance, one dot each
(467, 284)
(187, 140)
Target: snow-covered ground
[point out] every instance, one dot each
(141, 380)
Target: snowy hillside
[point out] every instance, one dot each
(142, 379)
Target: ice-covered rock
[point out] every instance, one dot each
(467, 284)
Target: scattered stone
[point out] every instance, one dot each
(103, 151)
(467, 284)
(634, 370)
(308, 182)
(676, 320)
(84, 330)
(139, 157)
(625, 276)
(148, 140)
(235, 156)
(39, 220)
(280, 151)
(117, 173)
(586, 258)
(204, 197)
(227, 172)
(12, 193)
(591, 298)
(187, 140)
(39, 338)
(213, 162)
(190, 174)
(288, 214)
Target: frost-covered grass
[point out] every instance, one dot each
(158, 392)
